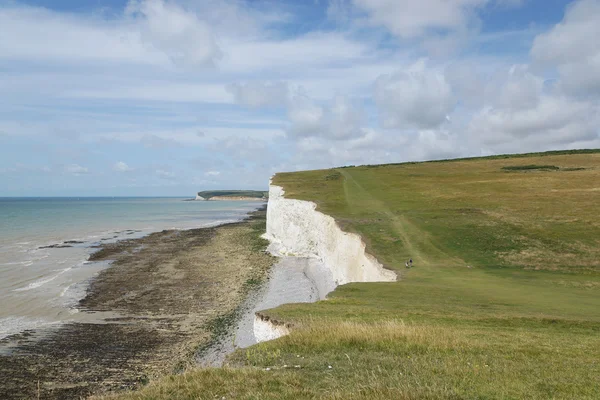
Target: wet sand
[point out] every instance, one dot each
(168, 295)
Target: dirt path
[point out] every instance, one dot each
(416, 242)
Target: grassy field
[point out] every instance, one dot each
(503, 301)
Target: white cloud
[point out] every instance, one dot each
(521, 90)
(139, 81)
(305, 115)
(150, 32)
(27, 32)
(374, 147)
(523, 112)
(440, 26)
(553, 120)
(573, 47)
(416, 97)
(416, 18)
(345, 119)
(314, 50)
(339, 120)
(571, 38)
(175, 31)
(260, 94)
(121, 167)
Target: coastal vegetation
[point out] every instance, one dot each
(212, 194)
(502, 301)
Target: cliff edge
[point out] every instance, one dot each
(296, 228)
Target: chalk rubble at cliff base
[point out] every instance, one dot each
(316, 257)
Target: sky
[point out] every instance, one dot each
(170, 97)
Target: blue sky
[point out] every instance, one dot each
(169, 97)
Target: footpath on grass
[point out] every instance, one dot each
(503, 300)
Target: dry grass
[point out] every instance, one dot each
(522, 322)
(395, 360)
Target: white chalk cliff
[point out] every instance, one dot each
(316, 256)
(299, 230)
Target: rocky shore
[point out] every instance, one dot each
(168, 295)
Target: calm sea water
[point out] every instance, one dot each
(41, 286)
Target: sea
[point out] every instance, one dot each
(45, 244)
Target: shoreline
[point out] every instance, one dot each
(45, 272)
(307, 270)
(165, 295)
(290, 280)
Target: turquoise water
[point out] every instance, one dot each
(40, 286)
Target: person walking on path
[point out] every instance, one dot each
(410, 262)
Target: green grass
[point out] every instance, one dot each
(503, 301)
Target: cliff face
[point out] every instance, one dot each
(298, 229)
(316, 257)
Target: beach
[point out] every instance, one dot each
(166, 298)
(45, 244)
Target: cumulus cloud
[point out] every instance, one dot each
(341, 119)
(177, 32)
(138, 79)
(121, 167)
(417, 97)
(414, 18)
(260, 94)
(81, 38)
(276, 55)
(378, 146)
(440, 26)
(305, 115)
(521, 111)
(345, 119)
(553, 120)
(521, 90)
(322, 152)
(573, 48)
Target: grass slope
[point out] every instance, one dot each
(522, 322)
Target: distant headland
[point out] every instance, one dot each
(239, 195)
